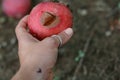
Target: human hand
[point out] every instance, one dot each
(37, 54)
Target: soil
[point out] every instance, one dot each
(93, 53)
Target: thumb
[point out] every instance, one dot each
(59, 39)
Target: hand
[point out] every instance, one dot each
(37, 54)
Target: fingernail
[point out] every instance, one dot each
(69, 31)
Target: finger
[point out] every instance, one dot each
(66, 35)
(21, 30)
(60, 39)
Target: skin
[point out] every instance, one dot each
(37, 58)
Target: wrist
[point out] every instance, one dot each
(33, 72)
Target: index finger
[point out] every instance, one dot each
(23, 22)
(21, 30)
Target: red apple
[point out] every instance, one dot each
(16, 8)
(49, 18)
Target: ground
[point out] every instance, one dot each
(93, 53)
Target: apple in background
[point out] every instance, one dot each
(49, 18)
(16, 8)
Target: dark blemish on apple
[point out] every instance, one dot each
(39, 70)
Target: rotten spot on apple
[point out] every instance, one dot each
(49, 20)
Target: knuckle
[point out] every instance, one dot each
(65, 35)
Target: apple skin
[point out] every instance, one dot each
(40, 31)
(16, 8)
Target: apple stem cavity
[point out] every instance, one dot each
(49, 20)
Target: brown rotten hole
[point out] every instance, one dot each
(49, 20)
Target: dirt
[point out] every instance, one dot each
(96, 38)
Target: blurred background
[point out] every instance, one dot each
(93, 53)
